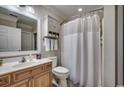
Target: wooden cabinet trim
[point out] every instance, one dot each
(38, 70)
(4, 80)
(48, 66)
(22, 83)
(21, 75)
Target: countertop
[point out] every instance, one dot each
(15, 66)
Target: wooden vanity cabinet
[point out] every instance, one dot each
(38, 76)
(42, 80)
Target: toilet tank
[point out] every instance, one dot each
(54, 61)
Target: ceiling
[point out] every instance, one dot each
(68, 11)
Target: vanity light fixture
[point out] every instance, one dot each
(27, 7)
(30, 9)
(17, 5)
(80, 9)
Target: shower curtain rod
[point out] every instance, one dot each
(79, 15)
(94, 10)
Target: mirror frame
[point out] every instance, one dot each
(33, 16)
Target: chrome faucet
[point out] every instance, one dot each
(23, 60)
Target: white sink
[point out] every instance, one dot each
(23, 64)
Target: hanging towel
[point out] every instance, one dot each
(52, 44)
(47, 44)
(56, 44)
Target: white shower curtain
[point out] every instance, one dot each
(69, 51)
(80, 51)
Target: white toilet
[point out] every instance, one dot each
(60, 72)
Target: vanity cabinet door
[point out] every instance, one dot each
(4, 80)
(24, 83)
(21, 75)
(42, 80)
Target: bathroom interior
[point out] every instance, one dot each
(61, 46)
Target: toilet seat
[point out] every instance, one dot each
(60, 70)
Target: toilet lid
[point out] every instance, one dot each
(61, 70)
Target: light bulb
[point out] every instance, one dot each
(80, 9)
(17, 6)
(30, 9)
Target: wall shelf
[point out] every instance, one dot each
(50, 37)
(54, 33)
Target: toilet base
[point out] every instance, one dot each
(54, 82)
(63, 83)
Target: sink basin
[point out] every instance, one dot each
(23, 64)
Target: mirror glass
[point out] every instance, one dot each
(17, 32)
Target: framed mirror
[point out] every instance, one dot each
(18, 32)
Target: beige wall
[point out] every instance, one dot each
(7, 23)
(109, 46)
(113, 46)
(7, 20)
(120, 45)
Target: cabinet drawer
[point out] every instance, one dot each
(21, 75)
(4, 80)
(48, 66)
(38, 70)
(23, 83)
